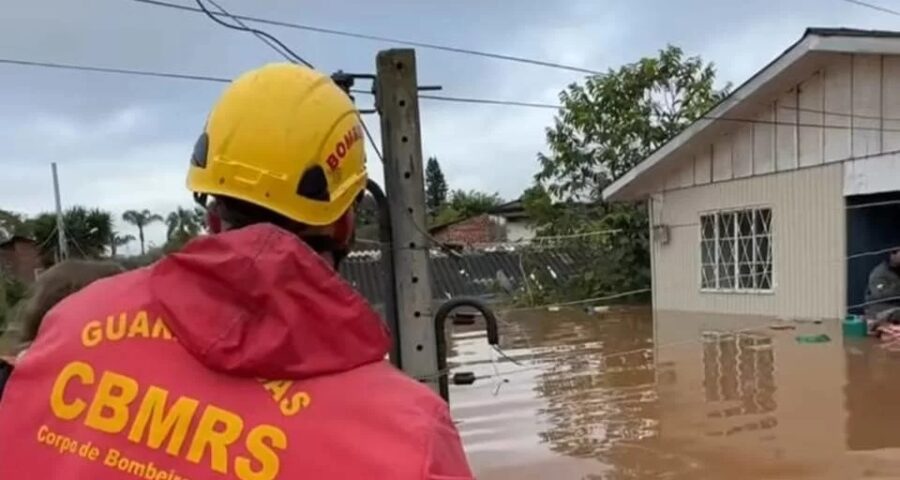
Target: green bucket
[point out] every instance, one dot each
(854, 326)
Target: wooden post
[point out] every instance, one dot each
(398, 104)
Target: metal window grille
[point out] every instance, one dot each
(736, 250)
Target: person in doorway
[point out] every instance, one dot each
(245, 355)
(883, 292)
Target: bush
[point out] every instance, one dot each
(12, 291)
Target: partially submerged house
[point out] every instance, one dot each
(779, 201)
(504, 223)
(20, 258)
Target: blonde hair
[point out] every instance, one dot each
(54, 285)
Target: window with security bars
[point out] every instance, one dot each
(736, 250)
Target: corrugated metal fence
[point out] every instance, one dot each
(480, 273)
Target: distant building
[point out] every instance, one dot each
(778, 201)
(21, 258)
(505, 223)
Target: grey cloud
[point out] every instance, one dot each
(122, 142)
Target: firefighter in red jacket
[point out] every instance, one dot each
(244, 355)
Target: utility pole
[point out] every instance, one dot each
(398, 103)
(60, 224)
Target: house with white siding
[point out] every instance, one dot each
(779, 200)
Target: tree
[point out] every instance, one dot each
(435, 186)
(472, 203)
(88, 232)
(613, 121)
(141, 219)
(12, 223)
(181, 226)
(606, 127)
(117, 241)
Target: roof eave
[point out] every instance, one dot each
(623, 188)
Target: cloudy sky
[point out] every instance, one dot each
(123, 142)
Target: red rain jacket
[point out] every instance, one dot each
(244, 356)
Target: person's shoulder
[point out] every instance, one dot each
(422, 416)
(880, 270)
(115, 291)
(395, 386)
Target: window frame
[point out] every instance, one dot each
(736, 289)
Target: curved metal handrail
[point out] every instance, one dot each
(440, 317)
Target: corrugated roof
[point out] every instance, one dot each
(471, 274)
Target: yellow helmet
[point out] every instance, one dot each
(286, 138)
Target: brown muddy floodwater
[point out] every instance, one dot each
(607, 396)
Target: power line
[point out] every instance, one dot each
(512, 103)
(266, 38)
(122, 71)
(209, 78)
(485, 101)
(874, 7)
(378, 38)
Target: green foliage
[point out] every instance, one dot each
(435, 186)
(118, 240)
(12, 223)
(88, 232)
(12, 291)
(141, 219)
(606, 127)
(446, 215)
(613, 121)
(465, 204)
(182, 225)
(472, 203)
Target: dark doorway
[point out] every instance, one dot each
(873, 224)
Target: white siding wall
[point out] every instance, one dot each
(792, 160)
(808, 240)
(847, 109)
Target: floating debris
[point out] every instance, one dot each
(821, 338)
(782, 326)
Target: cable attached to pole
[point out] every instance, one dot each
(281, 48)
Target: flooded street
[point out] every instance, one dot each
(607, 396)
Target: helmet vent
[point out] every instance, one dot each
(313, 185)
(201, 149)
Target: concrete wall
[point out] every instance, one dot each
(519, 231)
(808, 229)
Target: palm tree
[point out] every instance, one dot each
(117, 241)
(141, 219)
(87, 233)
(182, 223)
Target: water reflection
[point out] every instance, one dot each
(599, 394)
(608, 396)
(739, 378)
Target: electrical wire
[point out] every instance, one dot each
(377, 38)
(269, 40)
(874, 7)
(605, 357)
(371, 139)
(121, 71)
(513, 103)
(539, 239)
(485, 101)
